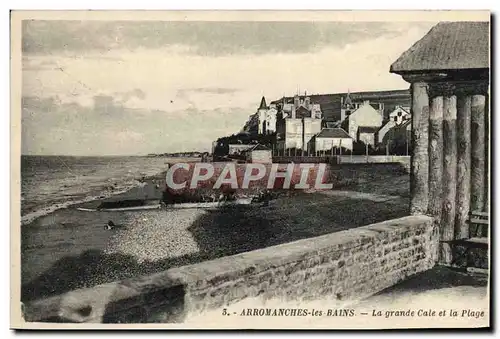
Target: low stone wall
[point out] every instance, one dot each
(347, 159)
(347, 265)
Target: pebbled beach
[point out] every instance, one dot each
(70, 249)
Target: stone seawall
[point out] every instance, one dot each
(347, 265)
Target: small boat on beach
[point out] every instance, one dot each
(185, 205)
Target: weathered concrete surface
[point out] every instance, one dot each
(347, 265)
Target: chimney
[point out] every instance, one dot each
(293, 112)
(296, 101)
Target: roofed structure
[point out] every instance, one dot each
(259, 147)
(448, 45)
(332, 124)
(333, 133)
(449, 74)
(263, 104)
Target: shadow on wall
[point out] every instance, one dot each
(221, 233)
(165, 305)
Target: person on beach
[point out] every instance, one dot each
(110, 225)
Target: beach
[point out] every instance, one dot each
(54, 187)
(70, 249)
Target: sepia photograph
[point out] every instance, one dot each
(250, 170)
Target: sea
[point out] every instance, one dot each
(49, 183)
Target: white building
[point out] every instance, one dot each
(364, 116)
(400, 115)
(298, 123)
(239, 148)
(266, 118)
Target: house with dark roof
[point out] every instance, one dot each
(330, 138)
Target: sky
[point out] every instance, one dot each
(139, 87)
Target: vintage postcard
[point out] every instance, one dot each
(250, 169)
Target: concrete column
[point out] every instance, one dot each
(449, 174)
(419, 181)
(464, 101)
(478, 182)
(487, 152)
(436, 157)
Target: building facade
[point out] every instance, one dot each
(297, 123)
(263, 121)
(364, 116)
(239, 148)
(368, 135)
(333, 104)
(400, 115)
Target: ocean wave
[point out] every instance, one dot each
(65, 200)
(47, 185)
(47, 209)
